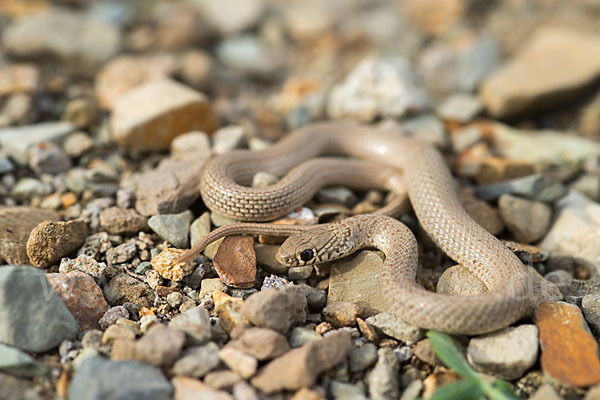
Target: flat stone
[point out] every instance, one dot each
(358, 281)
(342, 314)
(533, 187)
(195, 323)
(569, 351)
(124, 288)
(122, 221)
(98, 379)
(151, 115)
(242, 364)
(17, 140)
(160, 346)
(15, 362)
(276, 309)
(174, 228)
(498, 169)
(79, 41)
(301, 367)
(165, 265)
(378, 87)
(549, 69)
(170, 188)
(17, 224)
(383, 378)
(211, 285)
(28, 301)
(507, 353)
(52, 240)
(192, 389)
(396, 328)
(198, 361)
(82, 296)
(28, 189)
(235, 261)
(460, 108)
(527, 220)
(261, 343)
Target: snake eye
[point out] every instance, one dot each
(307, 255)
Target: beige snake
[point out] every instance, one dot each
(433, 197)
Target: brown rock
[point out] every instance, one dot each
(169, 189)
(149, 117)
(17, 223)
(434, 16)
(160, 346)
(123, 349)
(189, 389)
(242, 364)
(497, 169)
(343, 314)
(126, 72)
(221, 379)
(263, 344)
(122, 221)
(82, 296)
(124, 288)
(165, 265)
(569, 351)
(307, 394)
(424, 352)
(235, 261)
(19, 78)
(301, 367)
(437, 379)
(229, 310)
(368, 331)
(484, 214)
(52, 240)
(276, 309)
(117, 332)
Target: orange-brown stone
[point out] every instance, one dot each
(235, 261)
(497, 169)
(569, 351)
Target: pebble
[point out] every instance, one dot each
(261, 180)
(5, 165)
(17, 363)
(528, 82)
(263, 344)
(19, 78)
(396, 328)
(18, 389)
(300, 336)
(301, 367)
(265, 257)
(465, 137)
(174, 299)
(343, 314)
(242, 364)
(590, 304)
(545, 392)
(424, 352)
(174, 187)
(192, 389)
(195, 323)
(576, 230)
(235, 261)
(28, 188)
(122, 253)
(82, 296)
(174, 228)
(459, 280)
(300, 273)
(340, 390)
(383, 378)
(211, 285)
(588, 185)
(228, 138)
(48, 158)
(248, 54)
(16, 141)
(222, 379)
(533, 187)
(196, 68)
(122, 221)
(436, 380)
(476, 62)
(164, 264)
(361, 358)
(85, 264)
(378, 87)
(198, 361)
(527, 220)
(111, 316)
(160, 346)
(98, 379)
(337, 194)
(28, 301)
(507, 353)
(194, 143)
(246, 14)
(276, 309)
(17, 223)
(569, 351)
(52, 240)
(498, 169)
(150, 116)
(358, 280)
(116, 332)
(81, 42)
(124, 288)
(461, 108)
(427, 129)
(315, 297)
(483, 213)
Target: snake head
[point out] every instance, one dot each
(317, 245)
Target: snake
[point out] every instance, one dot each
(383, 158)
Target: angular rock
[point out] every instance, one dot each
(195, 323)
(197, 361)
(124, 288)
(151, 115)
(342, 314)
(263, 344)
(527, 220)
(301, 367)
(193, 389)
(17, 223)
(383, 379)
(276, 309)
(98, 379)
(396, 328)
(82, 296)
(165, 265)
(590, 305)
(498, 169)
(222, 379)
(174, 228)
(549, 69)
(534, 187)
(363, 357)
(17, 140)
(28, 302)
(194, 144)
(507, 353)
(242, 364)
(52, 240)
(484, 214)
(460, 108)
(569, 351)
(228, 138)
(160, 346)
(235, 261)
(15, 362)
(48, 158)
(122, 221)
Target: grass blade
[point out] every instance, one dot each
(450, 353)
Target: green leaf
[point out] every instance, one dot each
(450, 353)
(500, 390)
(467, 389)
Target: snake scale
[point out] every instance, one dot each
(386, 159)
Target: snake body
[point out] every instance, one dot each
(431, 191)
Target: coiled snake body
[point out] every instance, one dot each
(430, 188)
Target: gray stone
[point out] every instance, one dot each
(316, 298)
(198, 361)
(476, 62)
(28, 188)
(378, 87)
(460, 107)
(547, 392)
(346, 391)
(228, 138)
(527, 220)
(15, 362)
(363, 357)
(247, 54)
(383, 379)
(17, 140)
(18, 389)
(119, 221)
(48, 158)
(122, 253)
(28, 302)
(396, 328)
(265, 257)
(5, 165)
(534, 187)
(337, 194)
(590, 305)
(263, 344)
(507, 353)
(99, 379)
(174, 228)
(300, 336)
(276, 309)
(300, 273)
(588, 185)
(196, 325)
(200, 228)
